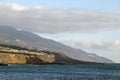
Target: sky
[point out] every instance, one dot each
(90, 25)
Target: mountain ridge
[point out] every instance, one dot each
(22, 38)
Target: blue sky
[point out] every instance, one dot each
(101, 27)
(97, 5)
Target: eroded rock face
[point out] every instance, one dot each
(6, 58)
(11, 58)
(24, 56)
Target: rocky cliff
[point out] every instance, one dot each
(13, 58)
(18, 55)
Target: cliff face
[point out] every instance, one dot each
(12, 58)
(19, 56)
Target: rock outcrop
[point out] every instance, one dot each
(16, 56)
(12, 58)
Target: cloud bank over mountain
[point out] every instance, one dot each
(95, 45)
(55, 20)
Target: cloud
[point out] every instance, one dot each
(94, 45)
(55, 20)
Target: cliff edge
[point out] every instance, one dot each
(18, 55)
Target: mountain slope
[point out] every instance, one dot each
(11, 36)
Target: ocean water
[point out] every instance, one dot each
(60, 72)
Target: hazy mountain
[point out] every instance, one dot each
(11, 36)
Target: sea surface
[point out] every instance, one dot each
(61, 72)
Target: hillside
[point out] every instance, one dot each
(25, 39)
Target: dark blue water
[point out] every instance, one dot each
(60, 72)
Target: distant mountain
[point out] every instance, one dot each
(25, 39)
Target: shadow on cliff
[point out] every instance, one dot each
(34, 60)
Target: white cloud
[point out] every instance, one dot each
(94, 45)
(17, 7)
(117, 42)
(53, 20)
(12, 6)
